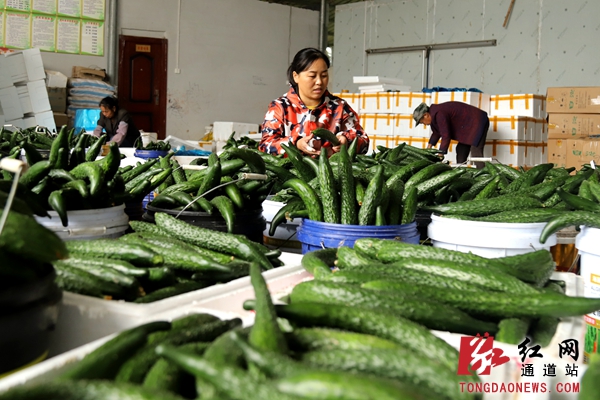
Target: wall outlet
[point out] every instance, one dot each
(177, 71)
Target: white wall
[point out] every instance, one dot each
(233, 56)
(546, 43)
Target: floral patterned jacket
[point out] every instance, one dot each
(288, 120)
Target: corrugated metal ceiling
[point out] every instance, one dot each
(316, 6)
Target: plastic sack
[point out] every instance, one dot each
(86, 119)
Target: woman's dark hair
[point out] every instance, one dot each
(302, 60)
(110, 103)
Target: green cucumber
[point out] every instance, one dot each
(314, 339)
(308, 196)
(479, 208)
(573, 218)
(329, 195)
(366, 213)
(108, 248)
(326, 134)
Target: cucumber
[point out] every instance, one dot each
(376, 322)
(366, 213)
(423, 175)
(404, 173)
(232, 382)
(498, 304)
(147, 227)
(396, 364)
(590, 380)
(432, 184)
(522, 216)
(170, 291)
(265, 333)
(85, 390)
(109, 248)
(479, 208)
(512, 330)
(308, 196)
(573, 218)
(326, 134)
(409, 205)
(433, 315)
(255, 162)
(104, 362)
(319, 262)
(314, 339)
(577, 202)
(490, 190)
(534, 267)
(280, 217)
(225, 207)
(213, 240)
(329, 194)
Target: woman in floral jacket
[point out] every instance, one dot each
(308, 106)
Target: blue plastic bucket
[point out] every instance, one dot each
(150, 153)
(316, 235)
(149, 197)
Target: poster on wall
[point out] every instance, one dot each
(2, 28)
(65, 26)
(92, 37)
(18, 5)
(93, 9)
(67, 33)
(17, 30)
(69, 8)
(44, 6)
(43, 32)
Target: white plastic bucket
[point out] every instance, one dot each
(487, 239)
(586, 243)
(148, 137)
(101, 223)
(285, 238)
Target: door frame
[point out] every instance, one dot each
(163, 43)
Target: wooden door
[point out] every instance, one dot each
(142, 86)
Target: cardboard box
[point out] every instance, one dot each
(582, 151)
(565, 126)
(476, 99)
(58, 99)
(60, 119)
(527, 105)
(88, 73)
(557, 152)
(580, 100)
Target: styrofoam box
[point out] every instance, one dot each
(378, 124)
(11, 106)
(5, 76)
(222, 130)
(517, 128)
(529, 105)
(510, 152)
(45, 119)
(404, 125)
(56, 79)
(33, 97)
(353, 100)
(476, 99)
(53, 367)
(26, 65)
(406, 102)
(83, 319)
(382, 102)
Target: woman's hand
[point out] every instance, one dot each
(343, 140)
(309, 145)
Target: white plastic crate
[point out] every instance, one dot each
(83, 319)
(53, 367)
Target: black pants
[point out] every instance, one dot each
(463, 150)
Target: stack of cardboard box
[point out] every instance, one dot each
(573, 125)
(23, 96)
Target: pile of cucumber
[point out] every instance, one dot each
(355, 189)
(540, 194)
(326, 352)
(158, 261)
(218, 188)
(510, 297)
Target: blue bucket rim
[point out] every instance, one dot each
(351, 228)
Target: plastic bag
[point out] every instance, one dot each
(86, 118)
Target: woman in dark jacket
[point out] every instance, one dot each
(117, 123)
